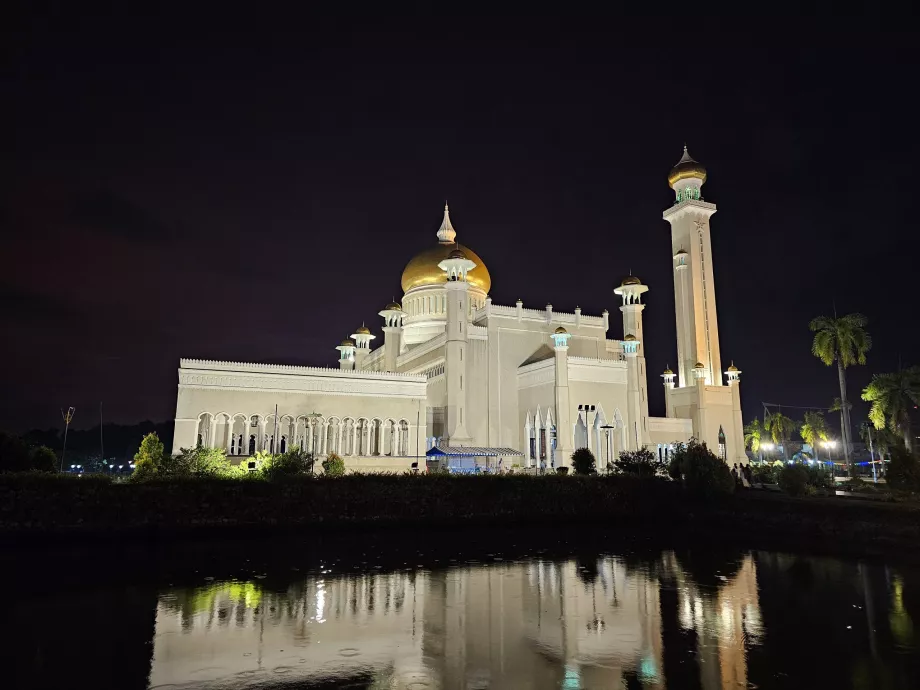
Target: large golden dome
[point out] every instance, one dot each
(423, 269)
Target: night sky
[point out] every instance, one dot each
(250, 187)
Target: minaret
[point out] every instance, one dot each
(636, 432)
(737, 451)
(694, 289)
(631, 290)
(668, 377)
(362, 338)
(346, 354)
(565, 432)
(393, 317)
(456, 265)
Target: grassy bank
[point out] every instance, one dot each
(41, 505)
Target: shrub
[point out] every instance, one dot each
(793, 479)
(148, 458)
(583, 461)
(819, 478)
(14, 455)
(197, 462)
(700, 470)
(765, 474)
(903, 470)
(288, 464)
(641, 463)
(43, 459)
(562, 471)
(333, 466)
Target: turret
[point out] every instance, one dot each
(393, 318)
(346, 354)
(362, 338)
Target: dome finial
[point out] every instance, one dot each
(446, 233)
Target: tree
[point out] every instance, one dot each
(149, 457)
(814, 429)
(904, 469)
(43, 459)
(292, 462)
(14, 455)
(882, 441)
(333, 466)
(843, 340)
(753, 436)
(892, 397)
(781, 428)
(701, 471)
(641, 463)
(583, 461)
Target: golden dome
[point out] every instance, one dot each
(631, 280)
(680, 252)
(394, 306)
(733, 367)
(668, 372)
(630, 338)
(686, 168)
(560, 330)
(699, 365)
(347, 343)
(423, 269)
(364, 330)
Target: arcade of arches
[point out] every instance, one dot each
(241, 434)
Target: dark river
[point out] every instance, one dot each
(484, 609)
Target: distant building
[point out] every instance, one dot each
(457, 370)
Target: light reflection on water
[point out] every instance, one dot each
(606, 622)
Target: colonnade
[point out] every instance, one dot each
(540, 435)
(241, 434)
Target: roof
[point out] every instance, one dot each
(471, 451)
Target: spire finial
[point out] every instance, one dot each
(446, 233)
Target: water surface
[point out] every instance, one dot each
(460, 611)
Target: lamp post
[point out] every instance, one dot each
(828, 446)
(607, 428)
(767, 447)
(67, 417)
(313, 415)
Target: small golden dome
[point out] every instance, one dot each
(394, 306)
(680, 252)
(699, 365)
(630, 338)
(364, 330)
(423, 268)
(347, 343)
(733, 367)
(668, 372)
(456, 254)
(631, 280)
(686, 168)
(560, 331)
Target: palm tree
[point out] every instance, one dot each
(814, 429)
(881, 440)
(781, 428)
(753, 433)
(892, 397)
(843, 340)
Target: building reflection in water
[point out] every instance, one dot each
(583, 623)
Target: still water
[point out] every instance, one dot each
(458, 611)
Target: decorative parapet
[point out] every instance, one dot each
(688, 204)
(288, 369)
(539, 315)
(478, 332)
(422, 349)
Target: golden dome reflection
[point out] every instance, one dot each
(423, 269)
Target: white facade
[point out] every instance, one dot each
(456, 369)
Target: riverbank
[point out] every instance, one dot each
(46, 508)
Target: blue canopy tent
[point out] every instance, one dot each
(470, 459)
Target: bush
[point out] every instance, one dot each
(701, 471)
(197, 462)
(903, 470)
(333, 466)
(793, 479)
(148, 458)
(583, 461)
(765, 474)
(641, 463)
(289, 464)
(819, 478)
(43, 459)
(15, 456)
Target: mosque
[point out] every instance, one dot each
(460, 377)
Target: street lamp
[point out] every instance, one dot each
(607, 428)
(828, 446)
(767, 447)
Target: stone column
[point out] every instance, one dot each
(565, 442)
(228, 438)
(211, 441)
(354, 438)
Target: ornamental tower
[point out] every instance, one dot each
(694, 289)
(456, 268)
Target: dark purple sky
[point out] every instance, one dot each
(250, 186)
